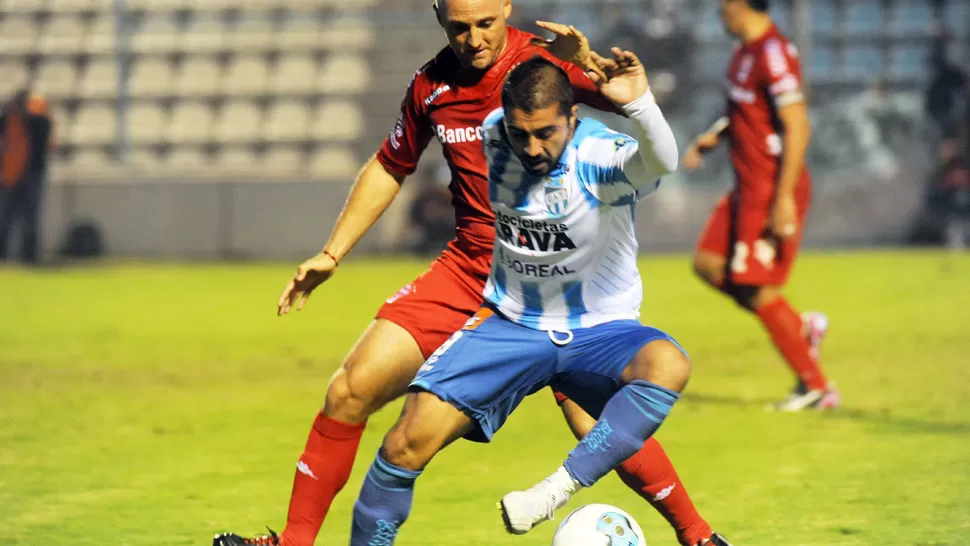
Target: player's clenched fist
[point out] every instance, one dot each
(309, 275)
(626, 79)
(569, 45)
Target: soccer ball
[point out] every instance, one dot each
(598, 525)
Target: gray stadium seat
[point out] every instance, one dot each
(909, 62)
(13, 76)
(246, 75)
(99, 79)
(956, 17)
(352, 5)
(256, 6)
(91, 163)
(825, 17)
(860, 63)
(101, 35)
(20, 34)
(283, 160)
(144, 161)
(235, 160)
(205, 36)
(151, 77)
(162, 5)
(61, 121)
(56, 79)
(146, 123)
(19, 6)
(286, 122)
(333, 163)
(63, 34)
(198, 76)
(821, 68)
(251, 35)
(191, 122)
(94, 125)
(298, 35)
(188, 160)
(346, 34)
(912, 17)
(307, 6)
(337, 120)
(343, 74)
(864, 17)
(239, 121)
(155, 36)
(75, 6)
(293, 74)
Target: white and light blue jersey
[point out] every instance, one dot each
(565, 252)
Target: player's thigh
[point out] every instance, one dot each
(409, 327)
(601, 359)
(714, 243)
(758, 258)
(487, 368)
(426, 425)
(435, 304)
(662, 362)
(377, 370)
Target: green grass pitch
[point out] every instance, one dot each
(149, 405)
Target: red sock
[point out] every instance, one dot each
(784, 325)
(322, 471)
(652, 476)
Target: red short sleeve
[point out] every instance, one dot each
(402, 148)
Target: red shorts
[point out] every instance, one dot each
(440, 300)
(739, 233)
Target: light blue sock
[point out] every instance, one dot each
(383, 504)
(630, 417)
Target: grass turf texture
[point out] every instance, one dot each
(159, 404)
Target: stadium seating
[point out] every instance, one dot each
(306, 88)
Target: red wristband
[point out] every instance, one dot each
(332, 257)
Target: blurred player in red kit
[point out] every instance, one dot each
(752, 237)
(447, 99)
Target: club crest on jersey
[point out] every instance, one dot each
(556, 197)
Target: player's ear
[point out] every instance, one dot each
(437, 12)
(574, 115)
(507, 9)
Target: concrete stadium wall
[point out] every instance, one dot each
(277, 220)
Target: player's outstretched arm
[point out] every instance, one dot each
(627, 86)
(372, 193)
(705, 142)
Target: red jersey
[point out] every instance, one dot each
(439, 104)
(764, 75)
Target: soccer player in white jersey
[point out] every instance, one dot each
(562, 299)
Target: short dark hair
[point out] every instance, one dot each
(759, 5)
(536, 84)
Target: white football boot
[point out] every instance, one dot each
(523, 510)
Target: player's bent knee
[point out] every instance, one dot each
(745, 295)
(709, 268)
(765, 296)
(660, 362)
(407, 447)
(345, 403)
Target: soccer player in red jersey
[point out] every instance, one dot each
(752, 237)
(447, 99)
